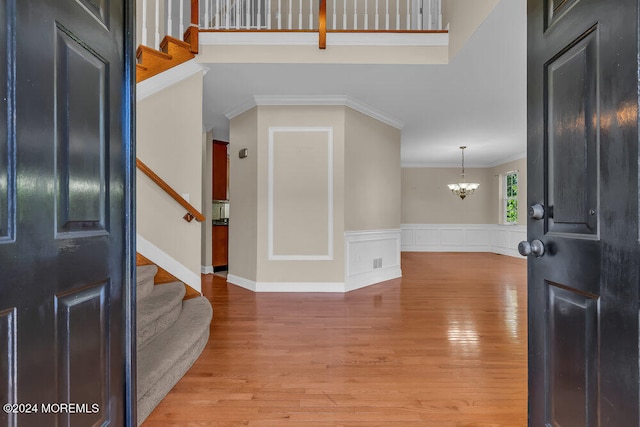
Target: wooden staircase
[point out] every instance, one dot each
(173, 52)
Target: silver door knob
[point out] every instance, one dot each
(536, 211)
(535, 248)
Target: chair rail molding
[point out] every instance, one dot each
(499, 239)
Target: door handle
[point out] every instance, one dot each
(535, 248)
(536, 211)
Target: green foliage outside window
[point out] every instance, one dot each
(511, 198)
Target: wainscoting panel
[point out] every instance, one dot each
(500, 239)
(371, 257)
(427, 237)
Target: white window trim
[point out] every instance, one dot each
(504, 198)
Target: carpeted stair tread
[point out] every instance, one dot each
(144, 280)
(164, 360)
(158, 311)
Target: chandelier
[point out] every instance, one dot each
(463, 188)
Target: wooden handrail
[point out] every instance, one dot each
(322, 25)
(191, 211)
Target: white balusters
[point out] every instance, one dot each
(335, 18)
(408, 15)
(216, 20)
(386, 18)
(268, 14)
(377, 23)
(397, 14)
(279, 14)
(156, 38)
(366, 15)
(259, 15)
(181, 26)
(237, 14)
(169, 13)
(344, 14)
(355, 14)
(206, 13)
(287, 15)
(144, 23)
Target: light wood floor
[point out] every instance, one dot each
(446, 345)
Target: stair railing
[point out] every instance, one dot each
(192, 213)
(306, 15)
(175, 18)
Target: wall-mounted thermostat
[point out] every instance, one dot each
(243, 153)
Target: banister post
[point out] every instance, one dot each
(191, 35)
(322, 25)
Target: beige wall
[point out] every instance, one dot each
(372, 174)
(299, 270)
(427, 200)
(169, 141)
(243, 196)
(365, 168)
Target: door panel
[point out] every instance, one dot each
(81, 95)
(583, 167)
(83, 350)
(7, 181)
(572, 365)
(572, 142)
(555, 10)
(65, 170)
(8, 359)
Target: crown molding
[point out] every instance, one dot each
(322, 100)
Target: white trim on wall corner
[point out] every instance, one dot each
(270, 191)
(206, 269)
(499, 239)
(164, 260)
(174, 75)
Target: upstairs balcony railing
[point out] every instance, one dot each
(174, 17)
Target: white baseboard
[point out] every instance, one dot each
(499, 239)
(371, 278)
(164, 260)
(206, 269)
(361, 249)
(286, 286)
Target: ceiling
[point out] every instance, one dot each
(477, 100)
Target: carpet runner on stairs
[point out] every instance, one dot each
(171, 334)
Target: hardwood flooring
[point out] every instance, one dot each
(446, 345)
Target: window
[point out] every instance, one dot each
(510, 197)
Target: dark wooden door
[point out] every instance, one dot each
(66, 218)
(583, 169)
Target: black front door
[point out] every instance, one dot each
(65, 213)
(583, 174)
